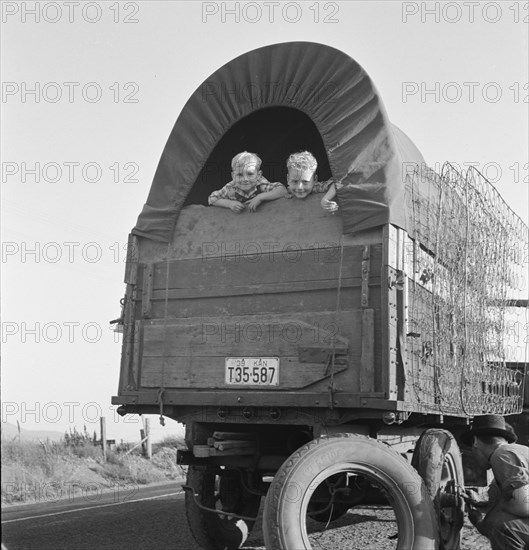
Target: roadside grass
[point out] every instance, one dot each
(48, 471)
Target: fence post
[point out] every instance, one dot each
(104, 438)
(148, 436)
(142, 439)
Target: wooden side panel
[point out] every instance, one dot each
(367, 359)
(238, 308)
(263, 285)
(191, 353)
(223, 286)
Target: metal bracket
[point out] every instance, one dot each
(397, 280)
(322, 354)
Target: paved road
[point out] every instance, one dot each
(154, 517)
(151, 517)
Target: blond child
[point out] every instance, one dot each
(248, 188)
(302, 180)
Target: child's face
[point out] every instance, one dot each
(300, 182)
(246, 175)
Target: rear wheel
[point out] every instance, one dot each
(438, 460)
(290, 494)
(221, 490)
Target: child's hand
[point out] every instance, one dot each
(329, 206)
(236, 206)
(254, 203)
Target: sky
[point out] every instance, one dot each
(90, 93)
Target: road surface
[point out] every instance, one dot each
(153, 517)
(149, 517)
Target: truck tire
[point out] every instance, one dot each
(284, 519)
(438, 460)
(211, 530)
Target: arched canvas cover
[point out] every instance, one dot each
(364, 150)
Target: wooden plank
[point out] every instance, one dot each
(131, 261)
(366, 270)
(136, 353)
(253, 290)
(209, 293)
(252, 335)
(392, 334)
(257, 398)
(391, 242)
(229, 452)
(195, 349)
(208, 372)
(233, 444)
(408, 261)
(403, 250)
(367, 360)
(317, 300)
(402, 327)
(233, 435)
(392, 366)
(126, 377)
(146, 293)
(305, 265)
(201, 450)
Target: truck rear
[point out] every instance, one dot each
(319, 360)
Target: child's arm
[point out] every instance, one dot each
(277, 192)
(326, 202)
(221, 198)
(235, 206)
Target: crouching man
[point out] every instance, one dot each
(506, 520)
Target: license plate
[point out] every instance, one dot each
(252, 371)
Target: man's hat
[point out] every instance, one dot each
(489, 425)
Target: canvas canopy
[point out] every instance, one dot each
(277, 100)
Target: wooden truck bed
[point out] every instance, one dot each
(280, 283)
(343, 321)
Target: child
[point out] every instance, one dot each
(302, 179)
(248, 188)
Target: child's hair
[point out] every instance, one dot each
(244, 158)
(302, 161)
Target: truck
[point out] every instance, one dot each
(320, 361)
